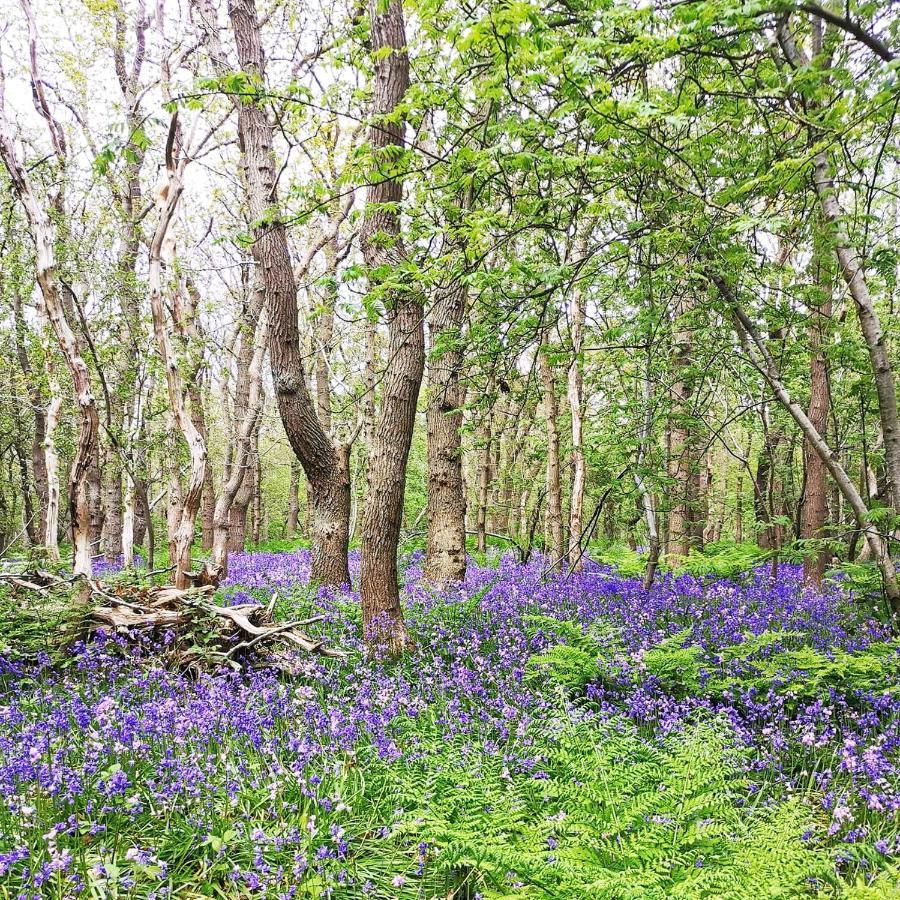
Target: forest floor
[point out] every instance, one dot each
(546, 737)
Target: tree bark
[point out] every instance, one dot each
(648, 501)
(682, 462)
(485, 438)
(854, 276)
(445, 552)
(324, 462)
(51, 457)
(257, 508)
(763, 485)
(870, 324)
(759, 355)
(247, 424)
(47, 277)
(575, 395)
(36, 400)
(385, 255)
(30, 518)
(293, 512)
(554, 485)
(178, 394)
(814, 509)
(113, 523)
(123, 519)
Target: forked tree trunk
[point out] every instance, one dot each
(324, 462)
(125, 185)
(554, 486)
(445, 553)
(384, 254)
(815, 497)
(248, 402)
(47, 278)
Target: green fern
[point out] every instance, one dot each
(613, 816)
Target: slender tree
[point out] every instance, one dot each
(325, 462)
(389, 273)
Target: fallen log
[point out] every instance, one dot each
(196, 631)
(239, 632)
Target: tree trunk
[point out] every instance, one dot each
(30, 519)
(174, 506)
(762, 359)
(384, 255)
(855, 279)
(112, 506)
(257, 509)
(370, 379)
(324, 461)
(485, 437)
(870, 324)
(575, 393)
(51, 457)
(36, 400)
(445, 553)
(682, 462)
(554, 486)
(293, 512)
(207, 511)
(226, 513)
(178, 395)
(814, 509)
(48, 281)
(229, 518)
(739, 509)
(128, 517)
(648, 502)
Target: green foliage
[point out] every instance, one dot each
(282, 545)
(610, 816)
(862, 579)
(724, 559)
(775, 660)
(676, 666)
(566, 665)
(32, 623)
(576, 661)
(627, 562)
(886, 886)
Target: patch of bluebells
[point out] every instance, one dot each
(115, 744)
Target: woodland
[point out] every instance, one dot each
(449, 449)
